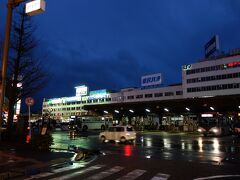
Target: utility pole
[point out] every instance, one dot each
(36, 6)
(10, 5)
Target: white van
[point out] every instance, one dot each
(118, 134)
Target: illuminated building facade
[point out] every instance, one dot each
(219, 76)
(215, 77)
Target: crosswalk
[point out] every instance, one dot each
(98, 172)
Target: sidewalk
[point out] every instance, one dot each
(17, 161)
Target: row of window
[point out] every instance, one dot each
(81, 102)
(213, 78)
(140, 96)
(212, 68)
(214, 88)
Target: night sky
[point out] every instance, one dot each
(112, 43)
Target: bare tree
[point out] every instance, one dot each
(25, 74)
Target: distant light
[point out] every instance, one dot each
(131, 110)
(116, 111)
(103, 118)
(206, 115)
(148, 110)
(105, 112)
(239, 107)
(212, 108)
(187, 109)
(165, 109)
(19, 85)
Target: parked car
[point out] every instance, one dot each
(118, 134)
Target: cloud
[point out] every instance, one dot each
(112, 44)
(72, 68)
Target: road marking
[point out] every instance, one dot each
(106, 173)
(67, 168)
(132, 175)
(161, 176)
(72, 175)
(218, 176)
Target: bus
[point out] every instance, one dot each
(89, 123)
(214, 124)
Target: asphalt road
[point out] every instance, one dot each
(153, 156)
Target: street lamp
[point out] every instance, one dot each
(148, 110)
(131, 110)
(165, 109)
(11, 4)
(212, 108)
(106, 112)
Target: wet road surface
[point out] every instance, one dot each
(155, 156)
(193, 148)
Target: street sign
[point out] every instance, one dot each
(29, 101)
(35, 7)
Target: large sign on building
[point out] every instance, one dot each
(151, 80)
(98, 94)
(81, 90)
(211, 46)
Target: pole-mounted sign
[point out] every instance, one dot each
(29, 101)
(35, 7)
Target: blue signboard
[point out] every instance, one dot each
(150, 80)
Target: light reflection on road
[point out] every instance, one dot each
(148, 146)
(200, 144)
(128, 150)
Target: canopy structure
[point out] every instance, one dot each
(221, 104)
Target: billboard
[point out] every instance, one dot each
(211, 46)
(98, 94)
(151, 80)
(81, 90)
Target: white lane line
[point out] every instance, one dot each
(161, 176)
(132, 175)
(75, 174)
(218, 176)
(55, 171)
(67, 168)
(106, 173)
(40, 175)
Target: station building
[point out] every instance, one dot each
(211, 84)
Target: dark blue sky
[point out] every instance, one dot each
(112, 43)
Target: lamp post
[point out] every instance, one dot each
(11, 4)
